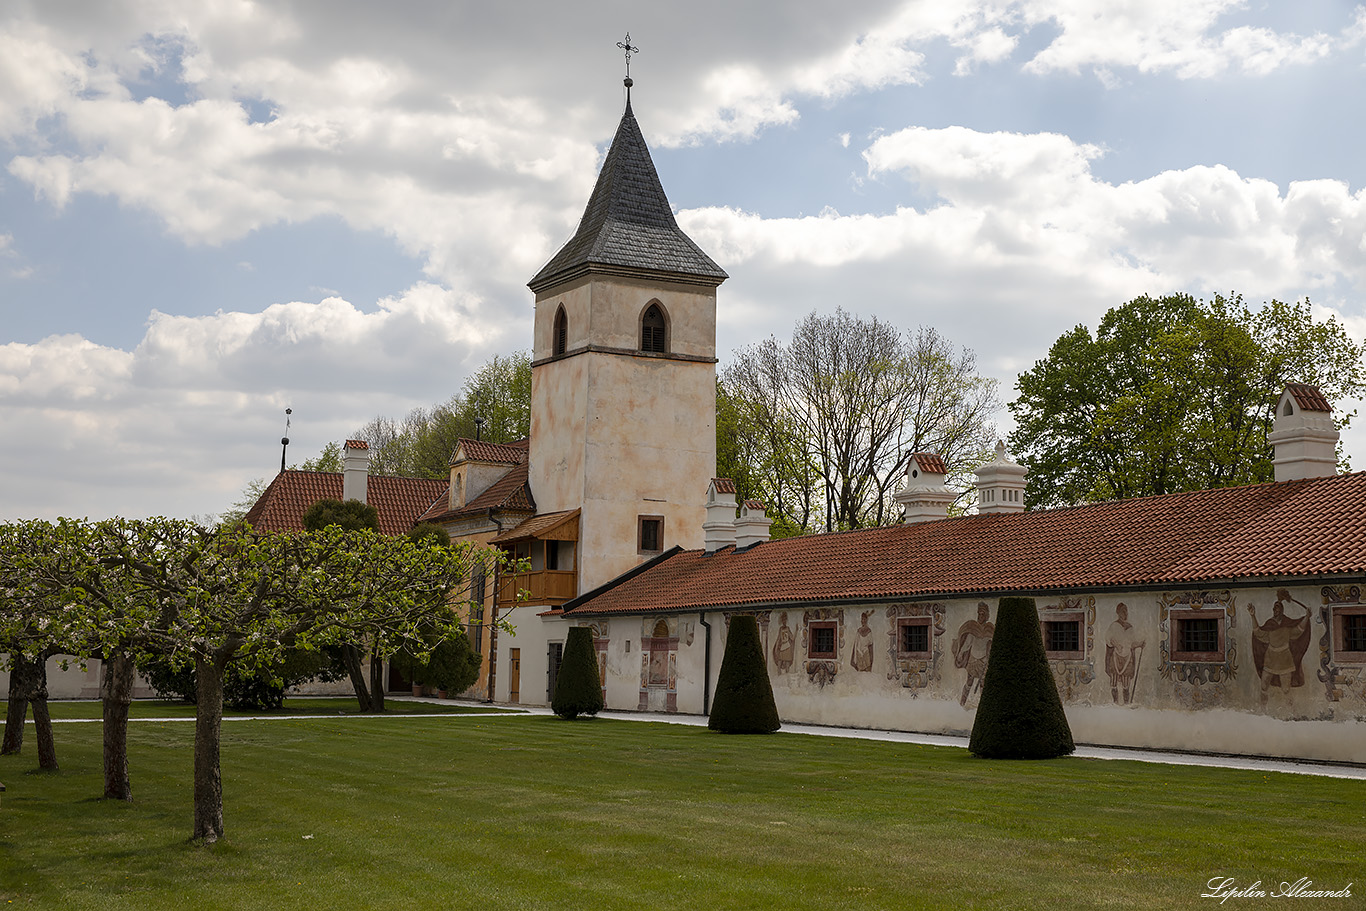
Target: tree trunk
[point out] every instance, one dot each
(351, 658)
(376, 681)
(42, 724)
(116, 690)
(18, 707)
(208, 725)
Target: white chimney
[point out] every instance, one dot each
(356, 467)
(752, 526)
(1303, 434)
(924, 497)
(719, 528)
(1000, 484)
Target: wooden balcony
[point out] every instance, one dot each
(550, 587)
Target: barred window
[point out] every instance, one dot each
(822, 643)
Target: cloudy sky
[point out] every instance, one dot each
(216, 209)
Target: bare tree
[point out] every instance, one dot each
(830, 418)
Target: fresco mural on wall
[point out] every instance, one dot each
(820, 669)
(1201, 682)
(1074, 675)
(658, 664)
(972, 649)
(861, 657)
(1123, 655)
(915, 673)
(1339, 681)
(784, 645)
(1279, 645)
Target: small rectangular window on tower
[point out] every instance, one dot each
(650, 534)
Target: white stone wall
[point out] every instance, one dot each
(1213, 706)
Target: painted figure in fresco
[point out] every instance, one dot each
(972, 648)
(785, 647)
(862, 657)
(1279, 644)
(1123, 652)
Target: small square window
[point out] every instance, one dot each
(1063, 635)
(1197, 635)
(822, 643)
(650, 534)
(914, 638)
(1349, 634)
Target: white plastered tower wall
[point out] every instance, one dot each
(617, 432)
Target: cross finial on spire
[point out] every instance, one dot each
(626, 46)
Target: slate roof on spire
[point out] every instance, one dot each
(628, 224)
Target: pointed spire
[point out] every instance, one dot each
(628, 225)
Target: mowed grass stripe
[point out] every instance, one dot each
(540, 813)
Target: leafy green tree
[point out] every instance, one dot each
(744, 695)
(578, 687)
(1172, 394)
(429, 534)
(493, 405)
(352, 515)
(60, 596)
(452, 664)
(329, 460)
(244, 502)
(1020, 714)
(254, 688)
(231, 595)
(827, 421)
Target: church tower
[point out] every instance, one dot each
(623, 373)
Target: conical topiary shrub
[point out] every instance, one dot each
(578, 688)
(1020, 715)
(744, 697)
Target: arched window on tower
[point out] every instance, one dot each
(654, 330)
(561, 341)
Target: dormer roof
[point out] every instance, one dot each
(628, 226)
(514, 453)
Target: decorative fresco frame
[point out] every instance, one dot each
(1073, 673)
(1340, 679)
(915, 672)
(1197, 682)
(821, 671)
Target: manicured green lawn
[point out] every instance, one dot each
(302, 705)
(535, 812)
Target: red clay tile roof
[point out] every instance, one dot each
(535, 526)
(930, 462)
(357, 444)
(479, 451)
(754, 504)
(1268, 531)
(510, 492)
(399, 501)
(723, 485)
(1309, 398)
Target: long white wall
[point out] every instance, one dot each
(1217, 702)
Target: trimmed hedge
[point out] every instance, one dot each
(744, 696)
(453, 665)
(1020, 714)
(578, 688)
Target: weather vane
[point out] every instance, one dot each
(626, 46)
